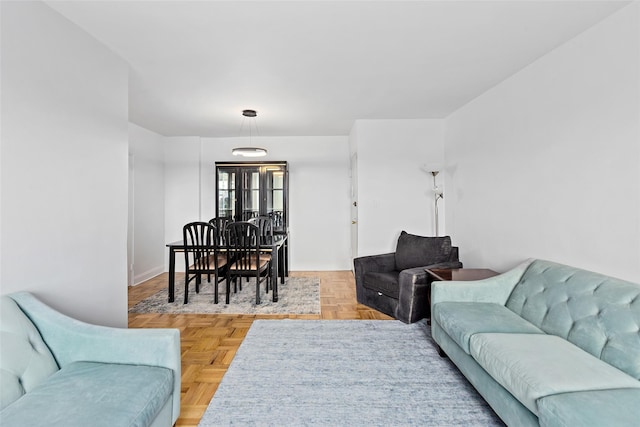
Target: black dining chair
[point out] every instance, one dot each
(247, 215)
(265, 228)
(264, 224)
(278, 219)
(202, 257)
(244, 257)
(220, 223)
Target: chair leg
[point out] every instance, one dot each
(269, 284)
(198, 280)
(257, 287)
(228, 287)
(186, 288)
(215, 288)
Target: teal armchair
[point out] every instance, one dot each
(90, 354)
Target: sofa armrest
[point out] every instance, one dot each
(494, 289)
(71, 340)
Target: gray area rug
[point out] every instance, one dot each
(344, 373)
(298, 295)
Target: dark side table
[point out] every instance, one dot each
(457, 274)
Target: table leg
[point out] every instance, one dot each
(274, 272)
(172, 274)
(286, 258)
(283, 262)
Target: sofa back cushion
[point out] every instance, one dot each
(598, 313)
(25, 360)
(417, 251)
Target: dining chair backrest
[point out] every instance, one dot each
(264, 224)
(201, 256)
(277, 217)
(220, 223)
(247, 215)
(199, 239)
(242, 241)
(244, 256)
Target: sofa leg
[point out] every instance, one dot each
(441, 352)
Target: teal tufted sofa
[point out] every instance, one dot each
(58, 371)
(546, 344)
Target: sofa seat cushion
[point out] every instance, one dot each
(461, 320)
(612, 408)
(94, 394)
(386, 283)
(531, 366)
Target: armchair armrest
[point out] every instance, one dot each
(494, 289)
(375, 263)
(445, 265)
(413, 291)
(71, 340)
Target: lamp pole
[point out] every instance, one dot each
(438, 195)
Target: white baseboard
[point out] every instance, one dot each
(149, 274)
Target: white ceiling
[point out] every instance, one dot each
(313, 67)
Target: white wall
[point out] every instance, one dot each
(394, 192)
(146, 208)
(318, 194)
(547, 164)
(64, 165)
(182, 186)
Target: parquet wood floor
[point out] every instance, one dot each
(209, 342)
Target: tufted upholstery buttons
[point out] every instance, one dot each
(24, 357)
(586, 308)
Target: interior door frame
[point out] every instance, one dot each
(354, 206)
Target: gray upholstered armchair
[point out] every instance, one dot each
(396, 283)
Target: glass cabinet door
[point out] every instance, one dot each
(246, 190)
(275, 196)
(226, 200)
(250, 188)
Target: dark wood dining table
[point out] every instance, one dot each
(276, 245)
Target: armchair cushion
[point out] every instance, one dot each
(99, 390)
(385, 282)
(415, 251)
(70, 340)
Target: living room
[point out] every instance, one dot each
(544, 163)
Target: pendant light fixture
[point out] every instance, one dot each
(249, 151)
